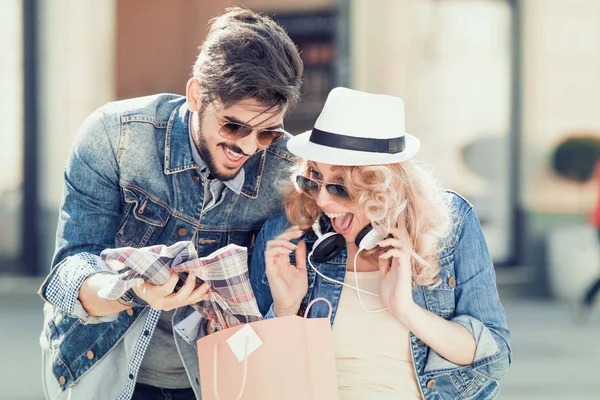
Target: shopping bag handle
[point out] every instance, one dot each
(314, 301)
(216, 369)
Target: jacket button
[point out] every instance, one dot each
(62, 380)
(90, 355)
(129, 312)
(182, 231)
(431, 384)
(196, 178)
(452, 281)
(420, 342)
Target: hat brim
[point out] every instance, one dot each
(300, 146)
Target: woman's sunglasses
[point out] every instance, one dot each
(312, 188)
(233, 131)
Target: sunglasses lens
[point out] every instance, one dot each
(267, 137)
(232, 131)
(307, 185)
(311, 188)
(338, 191)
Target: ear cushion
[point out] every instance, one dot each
(367, 238)
(328, 246)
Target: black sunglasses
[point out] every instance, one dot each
(234, 130)
(312, 188)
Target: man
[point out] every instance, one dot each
(158, 170)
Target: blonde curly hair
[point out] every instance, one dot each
(403, 195)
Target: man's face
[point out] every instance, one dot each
(225, 157)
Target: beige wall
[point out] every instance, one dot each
(77, 76)
(11, 101)
(11, 115)
(561, 95)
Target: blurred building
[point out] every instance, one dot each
(490, 87)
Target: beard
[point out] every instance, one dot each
(223, 174)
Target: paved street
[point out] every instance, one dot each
(552, 357)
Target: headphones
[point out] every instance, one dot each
(331, 244)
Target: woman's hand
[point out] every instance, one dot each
(395, 281)
(288, 283)
(162, 297)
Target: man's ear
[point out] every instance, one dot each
(193, 95)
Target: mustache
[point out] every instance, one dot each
(234, 148)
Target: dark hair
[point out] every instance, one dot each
(248, 56)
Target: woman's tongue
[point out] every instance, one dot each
(342, 224)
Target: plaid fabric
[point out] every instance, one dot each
(232, 300)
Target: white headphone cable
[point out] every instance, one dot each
(358, 290)
(334, 281)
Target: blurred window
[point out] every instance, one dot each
(314, 33)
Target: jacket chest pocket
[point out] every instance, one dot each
(441, 298)
(143, 219)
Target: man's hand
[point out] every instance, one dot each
(162, 297)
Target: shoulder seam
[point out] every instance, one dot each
(460, 227)
(117, 152)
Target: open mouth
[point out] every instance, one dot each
(233, 157)
(341, 222)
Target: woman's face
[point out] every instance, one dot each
(346, 216)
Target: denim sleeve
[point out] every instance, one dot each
(89, 214)
(61, 287)
(478, 306)
(261, 288)
(270, 313)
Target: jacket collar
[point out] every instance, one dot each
(178, 152)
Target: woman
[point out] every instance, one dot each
(416, 312)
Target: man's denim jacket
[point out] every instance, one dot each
(467, 295)
(130, 180)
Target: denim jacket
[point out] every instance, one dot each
(467, 295)
(130, 180)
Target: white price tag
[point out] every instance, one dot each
(237, 342)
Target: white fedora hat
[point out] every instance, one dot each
(357, 128)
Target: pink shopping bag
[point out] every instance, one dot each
(295, 361)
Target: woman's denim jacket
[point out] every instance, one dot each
(467, 295)
(130, 180)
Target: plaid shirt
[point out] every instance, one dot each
(231, 299)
